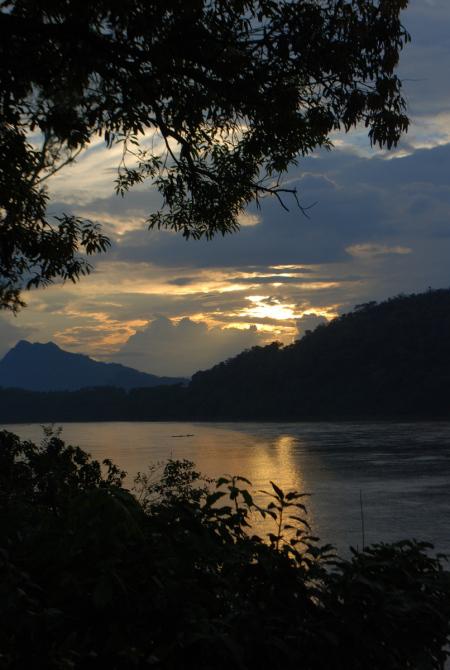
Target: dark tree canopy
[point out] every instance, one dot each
(233, 90)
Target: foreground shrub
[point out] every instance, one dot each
(171, 577)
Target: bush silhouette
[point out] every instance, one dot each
(171, 576)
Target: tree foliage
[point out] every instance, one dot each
(211, 101)
(172, 578)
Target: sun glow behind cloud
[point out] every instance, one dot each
(103, 312)
(265, 307)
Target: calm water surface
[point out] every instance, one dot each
(402, 469)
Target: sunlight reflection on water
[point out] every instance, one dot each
(403, 470)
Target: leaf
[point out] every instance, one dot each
(214, 497)
(243, 479)
(247, 498)
(300, 520)
(278, 491)
(302, 507)
(305, 523)
(222, 511)
(294, 495)
(234, 492)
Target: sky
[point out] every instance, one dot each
(380, 226)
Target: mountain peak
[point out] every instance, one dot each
(22, 344)
(24, 350)
(37, 366)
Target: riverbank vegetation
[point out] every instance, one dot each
(171, 576)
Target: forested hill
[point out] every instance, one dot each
(387, 360)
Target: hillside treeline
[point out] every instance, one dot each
(385, 360)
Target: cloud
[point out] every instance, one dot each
(375, 250)
(95, 170)
(380, 227)
(168, 348)
(360, 201)
(428, 25)
(184, 281)
(248, 219)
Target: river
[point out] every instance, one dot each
(400, 471)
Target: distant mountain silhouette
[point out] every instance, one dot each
(387, 360)
(46, 367)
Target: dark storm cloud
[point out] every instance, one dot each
(183, 281)
(424, 62)
(281, 237)
(423, 167)
(401, 200)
